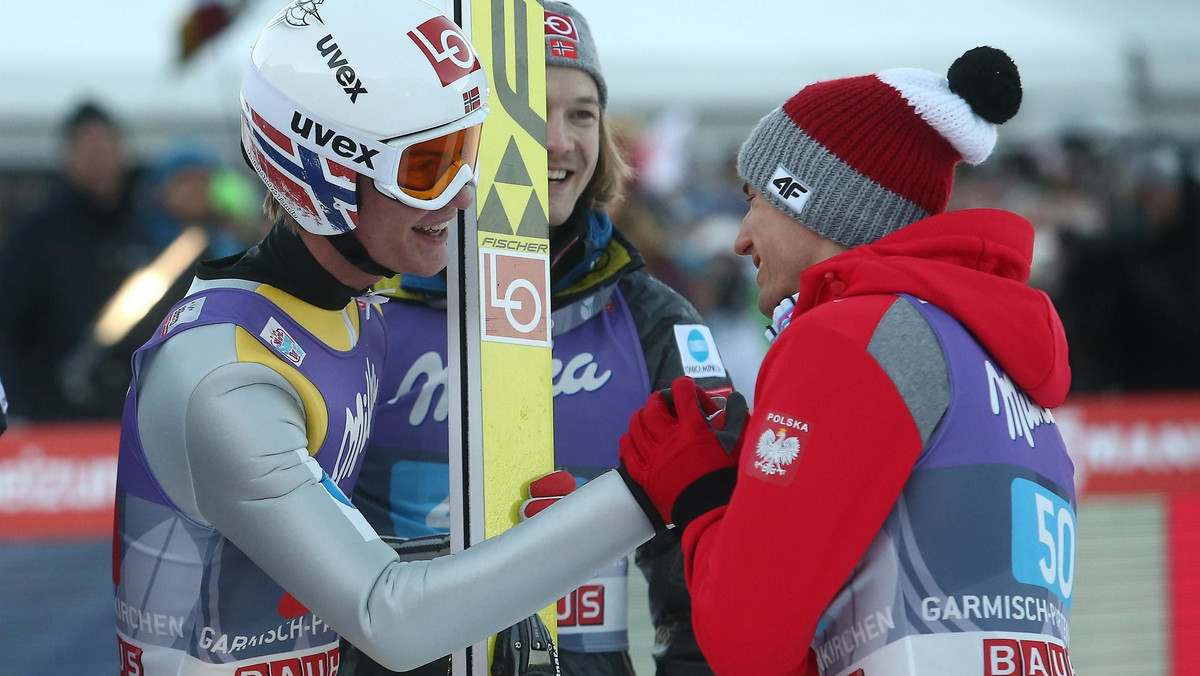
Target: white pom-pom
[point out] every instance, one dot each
(929, 94)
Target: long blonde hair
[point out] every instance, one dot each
(612, 171)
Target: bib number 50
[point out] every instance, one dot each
(1044, 536)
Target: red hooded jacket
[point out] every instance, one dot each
(763, 569)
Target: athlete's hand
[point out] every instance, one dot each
(545, 491)
(728, 423)
(679, 454)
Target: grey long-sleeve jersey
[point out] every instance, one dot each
(230, 482)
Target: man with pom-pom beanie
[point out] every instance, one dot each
(901, 502)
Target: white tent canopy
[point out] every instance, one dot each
(731, 59)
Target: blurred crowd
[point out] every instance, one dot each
(93, 256)
(1117, 247)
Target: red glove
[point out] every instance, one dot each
(545, 491)
(678, 455)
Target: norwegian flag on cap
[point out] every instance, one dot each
(563, 48)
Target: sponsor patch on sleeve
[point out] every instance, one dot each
(698, 351)
(778, 445)
(188, 312)
(278, 338)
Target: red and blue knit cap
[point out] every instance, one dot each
(859, 158)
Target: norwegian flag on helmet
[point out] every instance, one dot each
(471, 99)
(316, 185)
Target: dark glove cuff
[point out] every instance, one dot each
(643, 500)
(703, 495)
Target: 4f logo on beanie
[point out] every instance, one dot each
(790, 189)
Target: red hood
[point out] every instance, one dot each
(973, 264)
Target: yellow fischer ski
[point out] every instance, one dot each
(499, 293)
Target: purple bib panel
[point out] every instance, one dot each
(974, 569)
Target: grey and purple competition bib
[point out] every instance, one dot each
(974, 569)
(181, 587)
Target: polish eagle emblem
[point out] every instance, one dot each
(776, 452)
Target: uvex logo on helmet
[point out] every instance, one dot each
(341, 66)
(341, 144)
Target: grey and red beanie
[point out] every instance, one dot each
(859, 158)
(569, 43)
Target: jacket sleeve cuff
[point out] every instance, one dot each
(643, 500)
(703, 495)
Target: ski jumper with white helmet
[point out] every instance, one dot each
(902, 489)
(235, 549)
(324, 101)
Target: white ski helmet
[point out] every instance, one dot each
(389, 89)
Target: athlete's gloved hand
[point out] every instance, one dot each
(678, 457)
(525, 649)
(545, 491)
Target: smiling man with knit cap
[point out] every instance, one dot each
(900, 503)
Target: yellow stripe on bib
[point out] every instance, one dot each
(329, 326)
